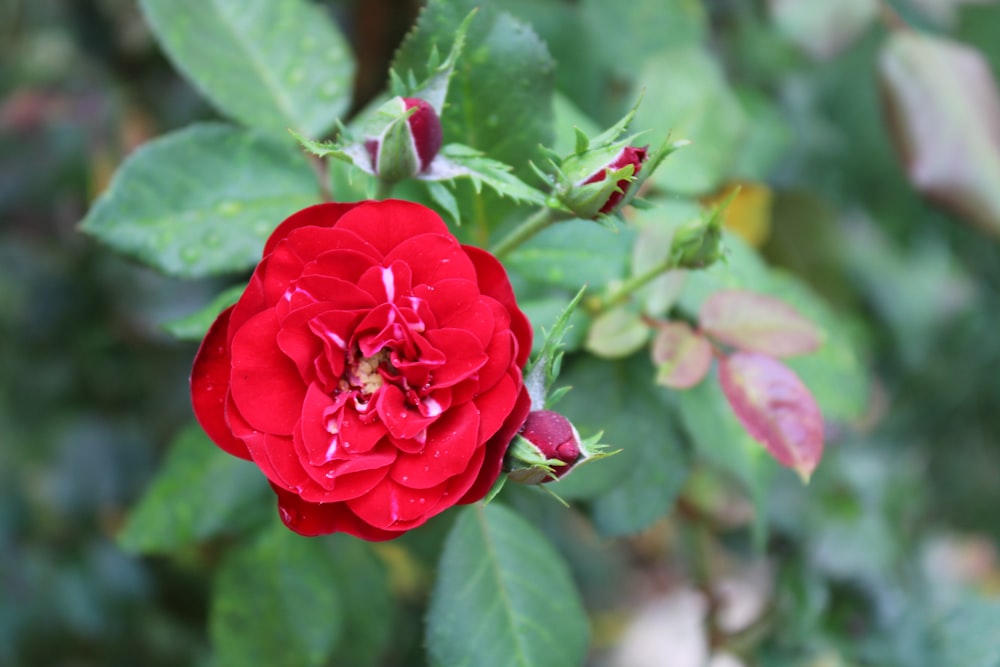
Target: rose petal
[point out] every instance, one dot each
(401, 420)
(457, 303)
(347, 265)
(389, 504)
(251, 302)
(433, 258)
(357, 437)
(397, 221)
(210, 386)
(450, 444)
(318, 431)
(388, 283)
(320, 215)
(311, 519)
(501, 355)
(495, 405)
(340, 294)
(493, 282)
(495, 449)
(277, 459)
(266, 385)
(464, 355)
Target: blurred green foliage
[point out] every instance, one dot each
(889, 557)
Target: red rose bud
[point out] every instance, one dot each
(547, 448)
(407, 143)
(595, 182)
(630, 155)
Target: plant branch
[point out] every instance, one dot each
(537, 222)
(622, 294)
(322, 171)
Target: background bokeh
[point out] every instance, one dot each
(901, 521)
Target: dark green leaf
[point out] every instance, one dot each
(503, 597)
(574, 253)
(719, 438)
(687, 96)
(202, 200)
(276, 603)
(967, 637)
(194, 326)
(500, 98)
(271, 64)
(364, 590)
(199, 491)
(636, 486)
(625, 33)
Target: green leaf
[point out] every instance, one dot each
(195, 325)
(270, 64)
(543, 311)
(574, 253)
(276, 603)
(503, 597)
(687, 97)
(966, 637)
(200, 491)
(458, 161)
(364, 590)
(824, 28)
(626, 33)
(719, 438)
(500, 97)
(637, 486)
(202, 200)
(617, 333)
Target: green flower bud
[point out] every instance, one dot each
(408, 143)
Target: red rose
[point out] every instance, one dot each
(371, 369)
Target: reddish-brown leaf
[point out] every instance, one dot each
(775, 408)
(758, 323)
(682, 355)
(943, 108)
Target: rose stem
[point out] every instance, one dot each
(634, 283)
(537, 222)
(383, 190)
(322, 171)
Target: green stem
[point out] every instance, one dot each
(622, 294)
(536, 223)
(383, 189)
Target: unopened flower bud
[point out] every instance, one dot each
(630, 155)
(547, 448)
(407, 143)
(698, 243)
(601, 179)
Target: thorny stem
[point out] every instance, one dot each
(322, 171)
(541, 219)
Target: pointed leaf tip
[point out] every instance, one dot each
(775, 408)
